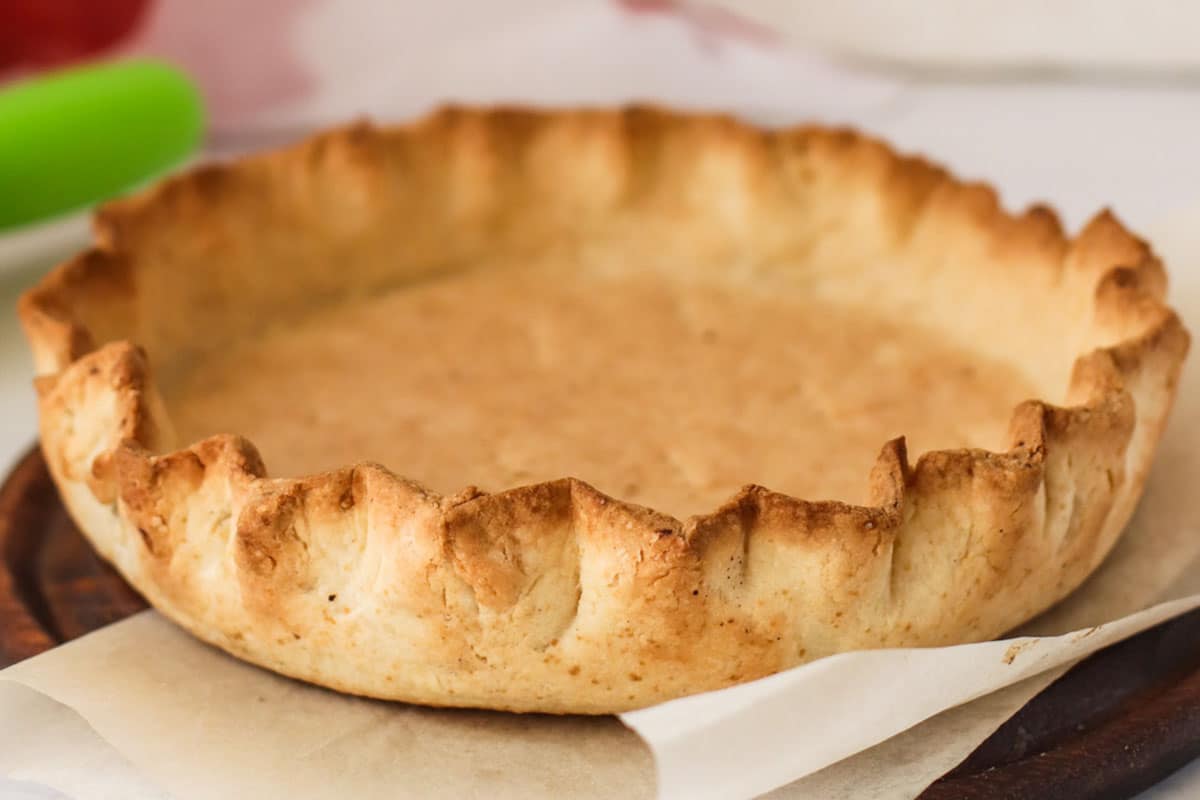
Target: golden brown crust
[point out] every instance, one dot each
(556, 597)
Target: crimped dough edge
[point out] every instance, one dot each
(555, 597)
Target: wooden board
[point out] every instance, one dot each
(1117, 723)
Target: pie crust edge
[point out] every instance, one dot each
(557, 598)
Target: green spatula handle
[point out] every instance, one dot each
(73, 138)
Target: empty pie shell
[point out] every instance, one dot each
(680, 354)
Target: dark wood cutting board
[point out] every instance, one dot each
(1115, 724)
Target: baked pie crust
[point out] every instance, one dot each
(657, 303)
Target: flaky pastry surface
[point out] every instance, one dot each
(774, 300)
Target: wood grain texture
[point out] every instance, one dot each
(53, 587)
(1117, 723)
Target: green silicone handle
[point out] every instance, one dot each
(73, 138)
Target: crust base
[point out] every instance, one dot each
(555, 597)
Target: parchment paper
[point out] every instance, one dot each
(140, 709)
(35, 728)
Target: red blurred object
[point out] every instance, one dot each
(47, 33)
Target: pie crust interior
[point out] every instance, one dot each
(665, 395)
(579, 411)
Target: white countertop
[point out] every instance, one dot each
(18, 422)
